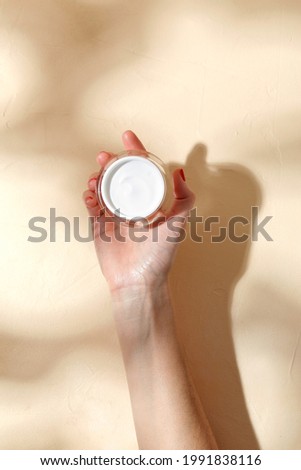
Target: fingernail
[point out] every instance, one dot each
(89, 200)
(182, 174)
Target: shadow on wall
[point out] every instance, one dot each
(64, 39)
(68, 45)
(27, 360)
(202, 283)
(84, 41)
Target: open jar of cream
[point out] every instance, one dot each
(134, 185)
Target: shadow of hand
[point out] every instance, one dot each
(202, 283)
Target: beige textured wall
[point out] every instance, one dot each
(214, 86)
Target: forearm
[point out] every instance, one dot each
(163, 402)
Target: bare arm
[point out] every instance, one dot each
(163, 402)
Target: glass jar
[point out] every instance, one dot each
(134, 185)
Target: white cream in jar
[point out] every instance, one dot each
(133, 186)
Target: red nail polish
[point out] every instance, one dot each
(89, 200)
(182, 174)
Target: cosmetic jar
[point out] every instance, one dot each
(134, 185)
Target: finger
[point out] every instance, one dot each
(104, 157)
(91, 203)
(184, 197)
(92, 181)
(131, 141)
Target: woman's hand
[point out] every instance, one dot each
(164, 406)
(131, 264)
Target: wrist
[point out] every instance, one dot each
(126, 295)
(140, 310)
